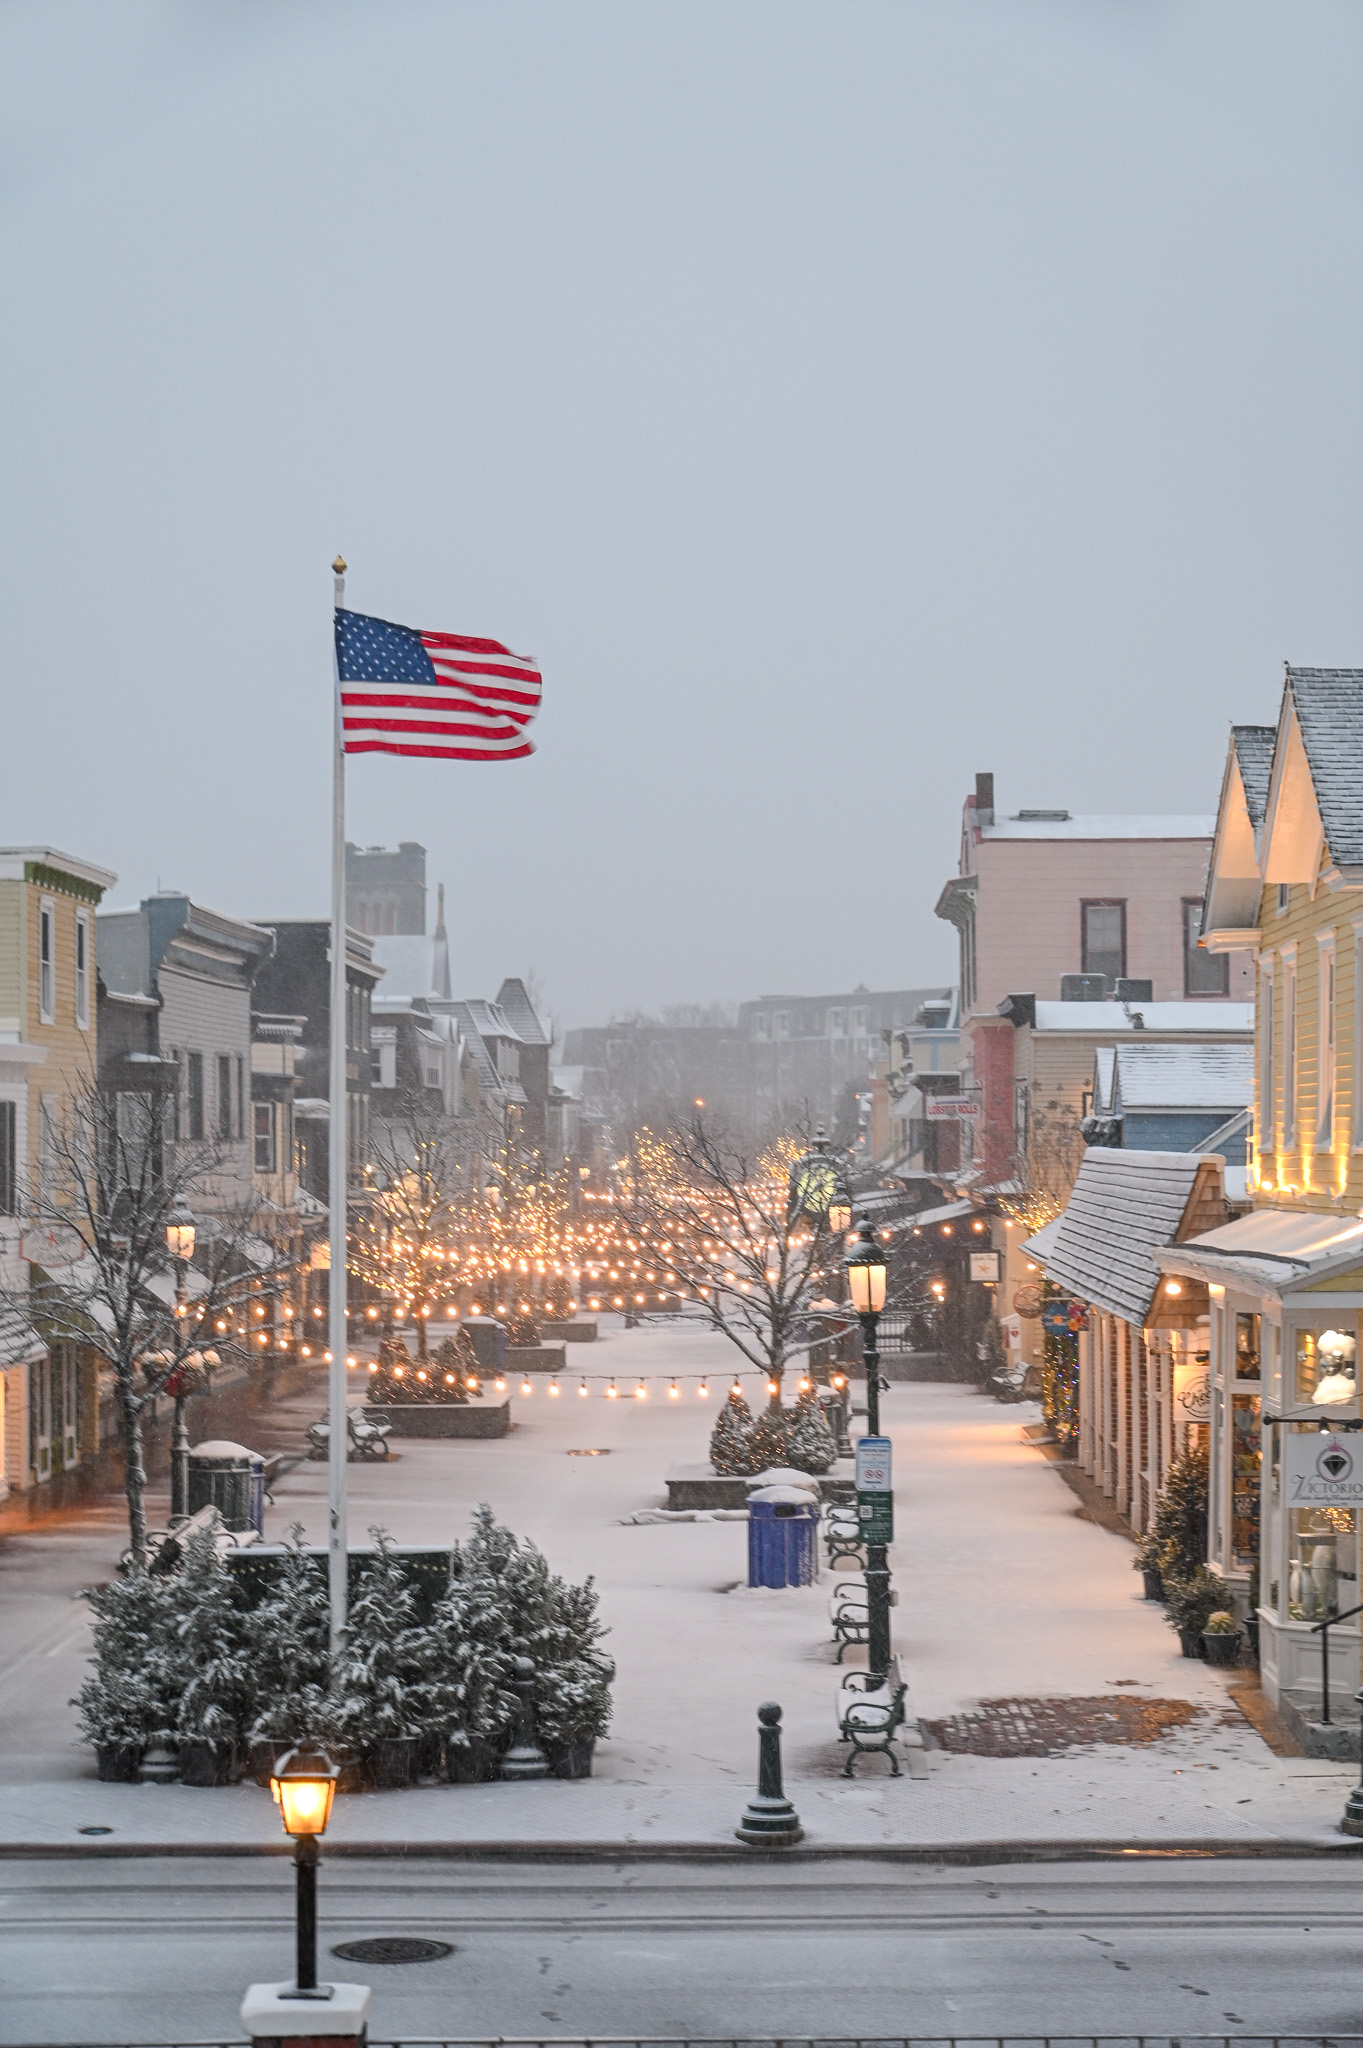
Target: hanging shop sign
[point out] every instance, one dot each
(1323, 1470)
(1064, 1318)
(1192, 1389)
(957, 1108)
(1028, 1301)
(52, 1244)
(985, 1266)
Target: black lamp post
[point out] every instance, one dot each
(180, 1245)
(304, 1783)
(866, 1277)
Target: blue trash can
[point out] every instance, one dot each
(232, 1479)
(782, 1526)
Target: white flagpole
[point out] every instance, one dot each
(336, 1292)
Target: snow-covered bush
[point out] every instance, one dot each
(769, 1443)
(128, 1697)
(1192, 1600)
(379, 1684)
(729, 1439)
(810, 1443)
(210, 1675)
(1176, 1543)
(288, 1649)
(470, 1702)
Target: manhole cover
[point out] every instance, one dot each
(393, 1948)
(589, 1454)
(94, 1831)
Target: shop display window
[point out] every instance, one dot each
(1325, 1374)
(1246, 1457)
(1322, 1565)
(1246, 1347)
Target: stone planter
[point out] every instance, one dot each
(471, 1763)
(1154, 1583)
(1192, 1640)
(392, 1762)
(573, 1759)
(205, 1763)
(445, 1418)
(117, 1762)
(1222, 1650)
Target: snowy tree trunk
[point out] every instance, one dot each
(134, 1473)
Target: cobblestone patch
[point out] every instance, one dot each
(1049, 1727)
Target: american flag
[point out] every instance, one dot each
(436, 694)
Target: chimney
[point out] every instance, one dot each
(984, 799)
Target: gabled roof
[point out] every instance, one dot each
(1329, 708)
(1253, 747)
(1124, 1205)
(513, 1000)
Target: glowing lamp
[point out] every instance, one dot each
(180, 1231)
(866, 1274)
(840, 1213)
(304, 1785)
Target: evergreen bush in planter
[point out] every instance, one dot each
(1179, 1533)
(127, 1700)
(730, 1451)
(470, 1704)
(1146, 1561)
(1221, 1638)
(1190, 1603)
(287, 1643)
(210, 1672)
(810, 1443)
(379, 1682)
(455, 1364)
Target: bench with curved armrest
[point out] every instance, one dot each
(870, 1712)
(849, 1614)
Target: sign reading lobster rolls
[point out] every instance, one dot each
(1323, 1470)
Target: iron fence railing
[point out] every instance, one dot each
(823, 2041)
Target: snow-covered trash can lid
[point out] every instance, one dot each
(220, 1452)
(783, 1496)
(783, 1475)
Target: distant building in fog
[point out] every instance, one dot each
(385, 891)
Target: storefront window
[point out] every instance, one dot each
(1244, 1482)
(1246, 1347)
(1322, 1567)
(1325, 1368)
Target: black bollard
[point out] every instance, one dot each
(770, 1821)
(525, 1758)
(1352, 1823)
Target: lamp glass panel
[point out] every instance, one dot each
(306, 1804)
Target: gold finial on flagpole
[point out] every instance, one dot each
(338, 566)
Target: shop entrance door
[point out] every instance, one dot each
(40, 1418)
(65, 1375)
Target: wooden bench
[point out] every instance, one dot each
(849, 1614)
(870, 1714)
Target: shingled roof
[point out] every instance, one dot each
(1329, 707)
(1124, 1205)
(1254, 752)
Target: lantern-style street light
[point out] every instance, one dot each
(180, 1233)
(304, 1785)
(867, 1274)
(840, 1212)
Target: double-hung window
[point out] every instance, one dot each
(83, 970)
(47, 961)
(1325, 1043)
(1289, 1143)
(1103, 937)
(195, 1094)
(1204, 973)
(262, 1116)
(225, 1097)
(1267, 1076)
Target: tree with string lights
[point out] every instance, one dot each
(399, 1243)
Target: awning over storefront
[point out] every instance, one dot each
(1125, 1207)
(1282, 1251)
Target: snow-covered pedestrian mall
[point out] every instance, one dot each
(1006, 1591)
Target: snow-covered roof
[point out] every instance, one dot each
(1182, 1076)
(1204, 1019)
(1329, 707)
(1097, 825)
(1253, 746)
(513, 1000)
(1280, 1248)
(947, 1213)
(20, 1343)
(1041, 1243)
(1124, 1205)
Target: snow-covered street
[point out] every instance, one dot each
(1006, 1590)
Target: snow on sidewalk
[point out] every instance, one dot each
(1005, 1591)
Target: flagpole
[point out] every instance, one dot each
(336, 1291)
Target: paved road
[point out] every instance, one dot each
(160, 1950)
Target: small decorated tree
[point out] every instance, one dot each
(810, 1443)
(729, 1440)
(769, 1443)
(455, 1365)
(287, 1645)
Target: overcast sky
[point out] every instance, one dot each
(837, 399)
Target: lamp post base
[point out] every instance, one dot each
(1352, 1821)
(275, 2012)
(770, 1824)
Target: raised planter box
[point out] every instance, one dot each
(700, 1486)
(439, 1418)
(579, 1331)
(535, 1358)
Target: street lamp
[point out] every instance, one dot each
(180, 1244)
(304, 1785)
(840, 1212)
(866, 1277)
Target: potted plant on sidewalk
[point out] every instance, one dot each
(1221, 1639)
(1146, 1562)
(1190, 1602)
(209, 1669)
(375, 1704)
(126, 1698)
(287, 1650)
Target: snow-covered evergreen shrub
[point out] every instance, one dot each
(378, 1682)
(206, 1646)
(768, 1445)
(469, 1701)
(729, 1451)
(128, 1697)
(454, 1362)
(810, 1443)
(1177, 1542)
(288, 1650)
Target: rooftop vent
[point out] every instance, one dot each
(1083, 988)
(1040, 817)
(1129, 990)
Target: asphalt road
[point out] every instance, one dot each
(160, 1950)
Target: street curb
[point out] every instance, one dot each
(947, 1853)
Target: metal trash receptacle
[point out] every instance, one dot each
(488, 1338)
(782, 1525)
(231, 1479)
